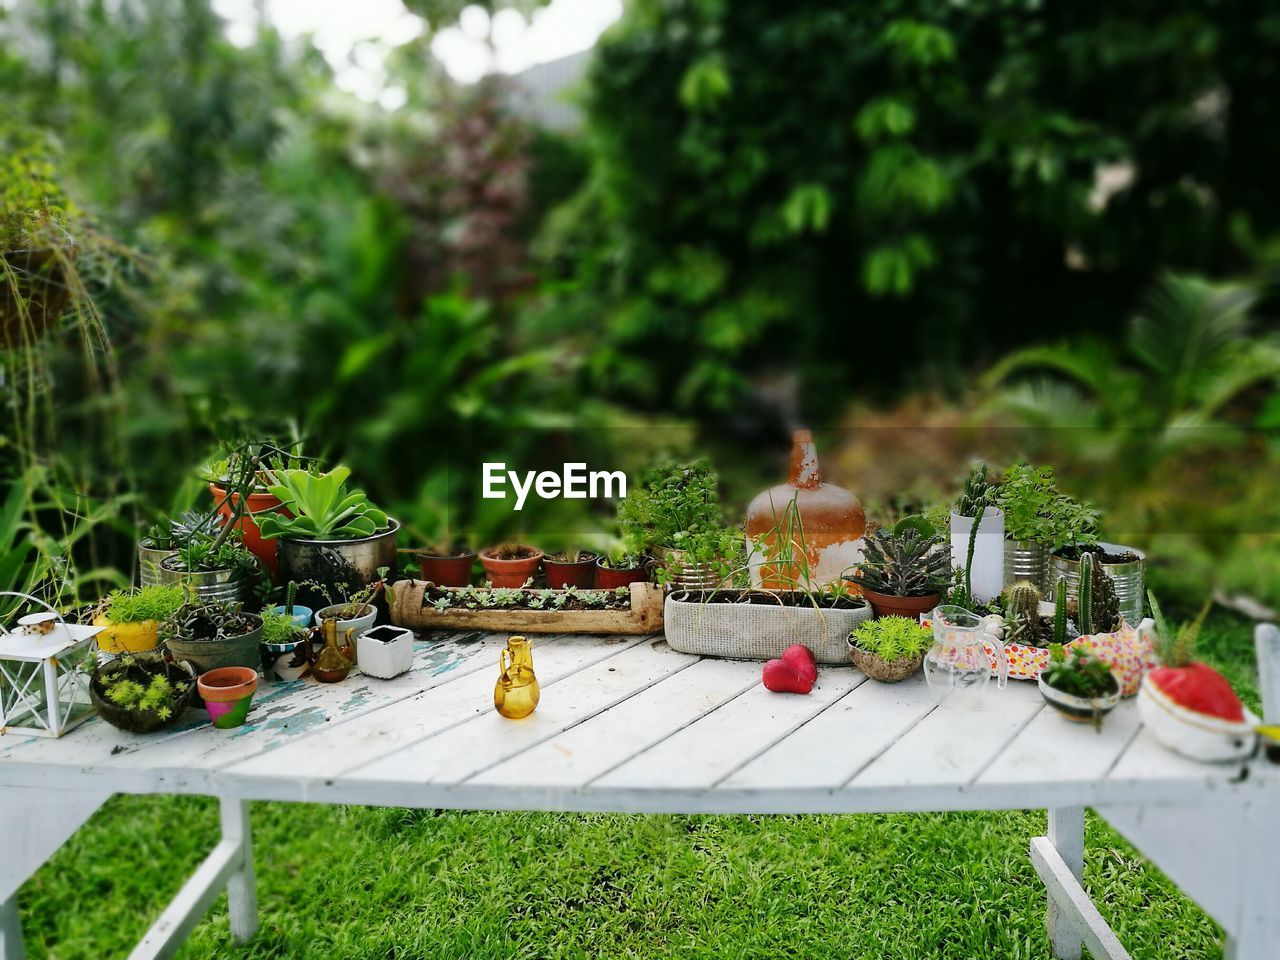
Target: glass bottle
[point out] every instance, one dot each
(333, 663)
(516, 693)
(803, 533)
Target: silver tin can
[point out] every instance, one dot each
(692, 576)
(339, 567)
(1130, 579)
(221, 586)
(149, 564)
(1027, 560)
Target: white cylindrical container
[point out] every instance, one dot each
(988, 551)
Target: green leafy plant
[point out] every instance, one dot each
(322, 507)
(157, 603)
(1081, 675)
(672, 505)
(279, 627)
(892, 638)
(904, 564)
(1035, 510)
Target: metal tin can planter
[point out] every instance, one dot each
(227, 693)
(149, 564)
(758, 625)
(385, 652)
(690, 576)
(1026, 560)
(341, 566)
(987, 572)
(238, 651)
(1129, 578)
(227, 585)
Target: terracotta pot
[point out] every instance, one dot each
(610, 578)
(227, 693)
(264, 550)
(510, 573)
(885, 605)
(580, 573)
(453, 571)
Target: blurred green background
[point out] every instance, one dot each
(855, 217)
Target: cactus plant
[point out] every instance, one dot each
(1022, 613)
(1060, 611)
(1084, 608)
(290, 597)
(976, 494)
(904, 562)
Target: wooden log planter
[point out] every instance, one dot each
(413, 608)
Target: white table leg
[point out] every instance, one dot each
(242, 890)
(10, 930)
(1066, 833)
(1256, 932)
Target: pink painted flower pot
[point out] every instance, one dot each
(227, 693)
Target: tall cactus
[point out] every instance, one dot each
(290, 595)
(1084, 610)
(1022, 612)
(1060, 611)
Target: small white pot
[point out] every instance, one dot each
(1192, 734)
(988, 551)
(360, 624)
(385, 651)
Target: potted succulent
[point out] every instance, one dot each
(329, 536)
(299, 614)
(132, 618)
(141, 693)
(448, 565)
(1187, 705)
(283, 644)
(977, 537)
(356, 615)
(213, 635)
(570, 568)
(154, 546)
(213, 566)
(890, 648)
(227, 693)
(904, 571)
(510, 564)
(674, 514)
(1038, 518)
(1124, 565)
(1080, 686)
(618, 568)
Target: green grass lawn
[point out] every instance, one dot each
(354, 882)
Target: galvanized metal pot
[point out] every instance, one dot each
(692, 576)
(149, 558)
(241, 651)
(340, 567)
(227, 585)
(1027, 560)
(1130, 579)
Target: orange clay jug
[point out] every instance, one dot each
(516, 693)
(804, 533)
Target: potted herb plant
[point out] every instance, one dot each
(890, 648)
(447, 565)
(328, 535)
(570, 568)
(1080, 686)
(213, 567)
(1039, 518)
(132, 618)
(618, 567)
(213, 635)
(977, 537)
(904, 572)
(510, 564)
(141, 693)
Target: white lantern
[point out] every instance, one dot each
(43, 690)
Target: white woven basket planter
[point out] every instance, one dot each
(758, 630)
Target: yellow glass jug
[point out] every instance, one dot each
(516, 693)
(333, 662)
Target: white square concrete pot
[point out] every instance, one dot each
(385, 651)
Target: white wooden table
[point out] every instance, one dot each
(626, 724)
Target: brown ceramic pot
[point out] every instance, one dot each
(510, 573)
(580, 573)
(885, 605)
(610, 578)
(450, 571)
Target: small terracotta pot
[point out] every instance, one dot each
(452, 571)
(610, 578)
(227, 693)
(579, 573)
(264, 550)
(885, 605)
(510, 573)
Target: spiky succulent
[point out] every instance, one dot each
(1060, 611)
(904, 562)
(977, 492)
(1022, 612)
(1099, 607)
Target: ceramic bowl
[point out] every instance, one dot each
(1194, 735)
(1078, 709)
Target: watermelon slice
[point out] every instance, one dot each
(1200, 688)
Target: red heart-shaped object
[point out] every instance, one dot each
(781, 677)
(802, 661)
